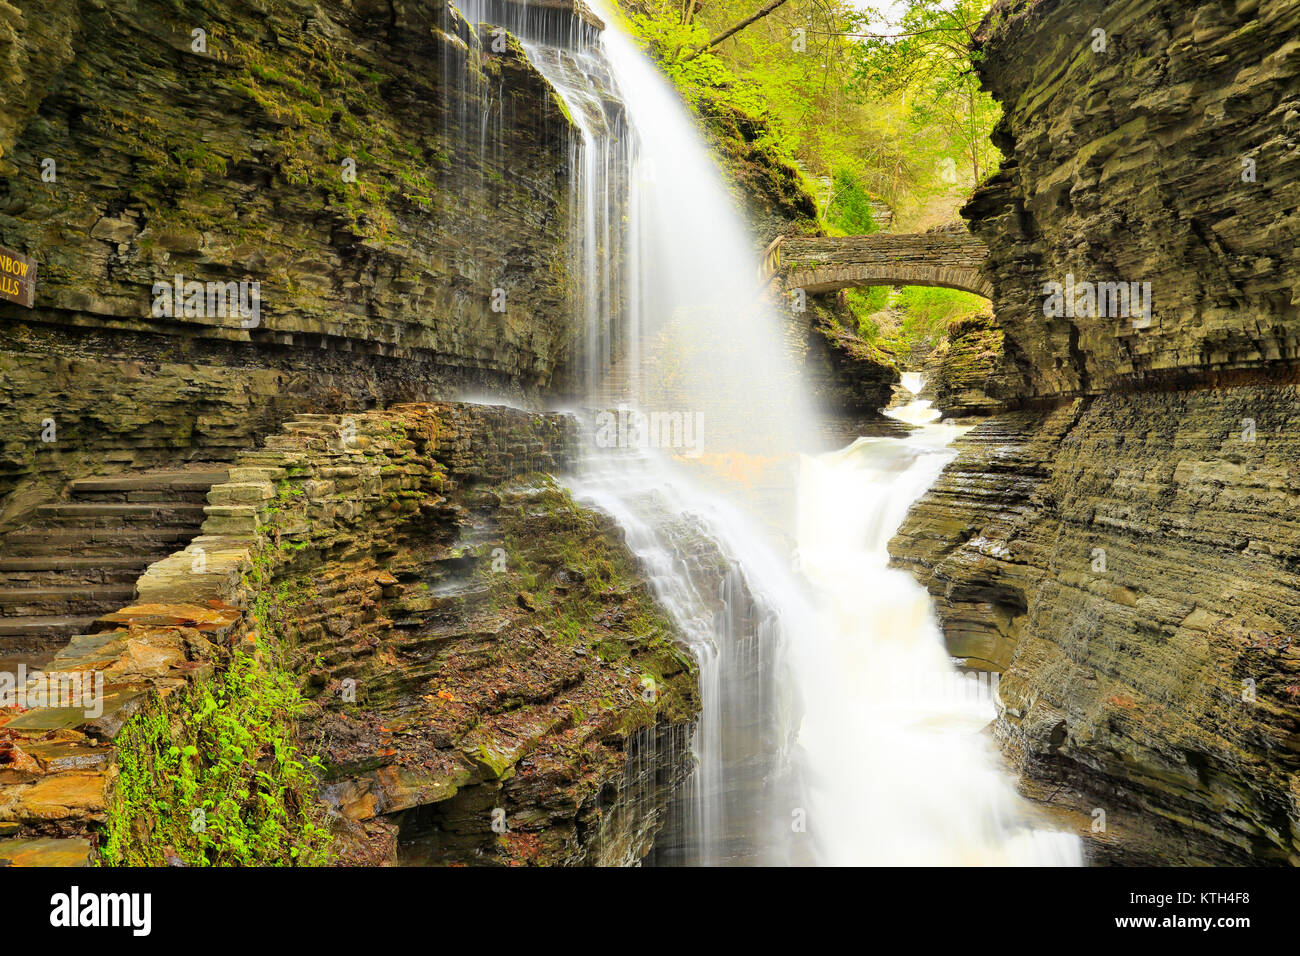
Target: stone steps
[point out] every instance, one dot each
(91, 542)
(110, 514)
(57, 571)
(187, 480)
(90, 578)
(62, 563)
(79, 558)
(29, 602)
(37, 627)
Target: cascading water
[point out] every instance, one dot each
(814, 744)
(733, 599)
(919, 410)
(897, 771)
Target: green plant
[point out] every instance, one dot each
(215, 778)
(908, 322)
(864, 304)
(849, 209)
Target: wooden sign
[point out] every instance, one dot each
(17, 278)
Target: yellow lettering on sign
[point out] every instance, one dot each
(16, 277)
(14, 266)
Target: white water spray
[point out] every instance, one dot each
(814, 744)
(918, 411)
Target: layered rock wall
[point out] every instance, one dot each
(398, 193)
(1148, 142)
(1123, 549)
(488, 679)
(965, 369)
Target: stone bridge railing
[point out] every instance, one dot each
(948, 257)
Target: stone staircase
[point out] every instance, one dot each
(78, 559)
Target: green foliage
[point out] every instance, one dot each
(864, 304)
(849, 209)
(933, 307)
(702, 76)
(842, 94)
(928, 56)
(736, 111)
(216, 779)
(919, 317)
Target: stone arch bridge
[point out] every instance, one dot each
(949, 257)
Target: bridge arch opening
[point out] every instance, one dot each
(918, 302)
(947, 258)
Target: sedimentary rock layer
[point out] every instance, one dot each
(1148, 141)
(376, 171)
(965, 369)
(396, 191)
(489, 679)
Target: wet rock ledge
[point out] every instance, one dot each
(476, 672)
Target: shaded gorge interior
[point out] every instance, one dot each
(554, 511)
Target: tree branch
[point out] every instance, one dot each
(766, 9)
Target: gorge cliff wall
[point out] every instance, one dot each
(399, 192)
(1148, 142)
(1125, 548)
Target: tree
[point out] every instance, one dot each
(828, 99)
(734, 29)
(928, 56)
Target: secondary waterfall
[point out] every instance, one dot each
(821, 739)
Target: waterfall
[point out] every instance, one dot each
(814, 744)
(733, 599)
(919, 410)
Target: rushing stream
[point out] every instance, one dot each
(834, 728)
(898, 772)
